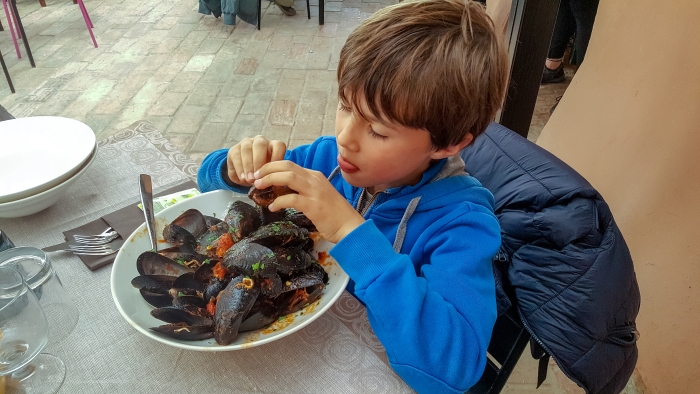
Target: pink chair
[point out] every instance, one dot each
(17, 29)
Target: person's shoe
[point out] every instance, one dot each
(553, 76)
(286, 9)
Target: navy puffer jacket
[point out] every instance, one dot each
(563, 260)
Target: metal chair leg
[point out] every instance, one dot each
(7, 74)
(15, 13)
(321, 11)
(259, 9)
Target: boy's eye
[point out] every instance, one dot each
(376, 135)
(344, 107)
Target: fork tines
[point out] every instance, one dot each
(105, 237)
(90, 250)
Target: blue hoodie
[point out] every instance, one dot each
(421, 264)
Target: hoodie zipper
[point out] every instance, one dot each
(369, 203)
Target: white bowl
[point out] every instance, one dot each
(38, 202)
(41, 152)
(136, 310)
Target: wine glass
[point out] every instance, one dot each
(23, 334)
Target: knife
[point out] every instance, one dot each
(146, 191)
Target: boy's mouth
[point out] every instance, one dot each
(346, 166)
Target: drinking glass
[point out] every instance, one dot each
(23, 334)
(41, 278)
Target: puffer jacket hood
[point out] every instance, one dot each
(563, 260)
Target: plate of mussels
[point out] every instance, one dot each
(228, 273)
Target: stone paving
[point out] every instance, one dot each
(205, 85)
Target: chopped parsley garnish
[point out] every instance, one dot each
(180, 294)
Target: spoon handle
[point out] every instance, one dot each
(146, 190)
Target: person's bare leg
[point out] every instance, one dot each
(553, 64)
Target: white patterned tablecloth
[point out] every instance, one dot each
(337, 353)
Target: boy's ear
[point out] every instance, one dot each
(452, 149)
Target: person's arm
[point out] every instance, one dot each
(212, 174)
(436, 325)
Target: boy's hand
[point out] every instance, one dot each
(332, 215)
(249, 155)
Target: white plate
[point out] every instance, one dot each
(137, 312)
(42, 200)
(41, 152)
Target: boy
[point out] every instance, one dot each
(418, 81)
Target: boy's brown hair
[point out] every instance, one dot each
(433, 64)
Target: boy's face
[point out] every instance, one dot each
(378, 154)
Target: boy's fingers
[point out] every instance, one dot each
(291, 179)
(287, 201)
(246, 155)
(277, 150)
(233, 162)
(279, 166)
(260, 156)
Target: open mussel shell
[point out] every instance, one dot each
(264, 311)
(232, 305)
(302, 297)
(213, 289)
(211, 221)
(188, 300)
(151, 263)
(191, 221)
(242, 219)
(185, 332)
(187, 281)
(208, 243)
(155, 299)
(192, 316)
(265, 197)
(177, 235)
(159, 284)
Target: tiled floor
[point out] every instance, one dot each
(203, 84)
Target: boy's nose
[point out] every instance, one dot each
(347, 137)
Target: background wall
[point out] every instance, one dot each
(630, 123)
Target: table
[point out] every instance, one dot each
(337, 353)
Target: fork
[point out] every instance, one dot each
(89, 250)
(105, 237)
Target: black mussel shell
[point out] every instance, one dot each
(290, 260)
(192, 221)
(299, 219)
(187, 281)
(184, 332)
(151, 263)
(232, 305)
(264, 311)
(177, 235)
(205, 272)
(250, 259)
(191, 316)
(271, 285)
(213, 289)
(268, 216)
(302, 297)
(211, 221)
(155, 299)
(188, 300)
(265, 197)
(160, 284)
(306, 279)
(242, 219)
(280, 234)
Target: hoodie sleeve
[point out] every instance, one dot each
(436, 323)
(320, 155)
